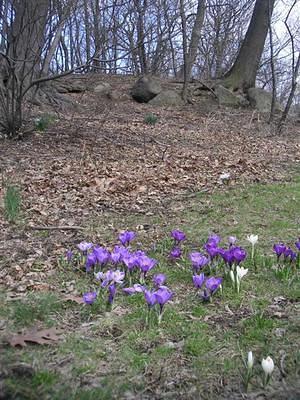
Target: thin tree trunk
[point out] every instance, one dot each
(193, 47)
(184, 48)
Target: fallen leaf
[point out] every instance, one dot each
(76, 299)
(45, 336)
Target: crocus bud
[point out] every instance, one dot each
(250, 360)
(267, 365)
(232, 276)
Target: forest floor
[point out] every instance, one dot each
(102, 169)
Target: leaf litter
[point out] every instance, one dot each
(104, 159)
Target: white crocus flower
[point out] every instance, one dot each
(268, 367)
(250, 360)
(240, 273)
(253, 239)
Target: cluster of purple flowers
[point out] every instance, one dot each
(178, 237)
(286, 252)
(233, 255)
(208, 286)
(121, 261)
(112, 267)
(160, 295)
(97, 257)
(109, 279)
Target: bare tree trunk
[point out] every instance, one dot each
(191, 53)
(243, 73)
(273, 72)
(87, 31)
(185, 49)
(22, 61)
(141, 9)
(291, 95)
(295, 71)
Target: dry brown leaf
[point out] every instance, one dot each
(76, 299)
(45, 336)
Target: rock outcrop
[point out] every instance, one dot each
(167, 98)
(261, 100)
(145, 89)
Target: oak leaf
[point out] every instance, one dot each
(44, 336)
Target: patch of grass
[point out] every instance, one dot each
(42, 122)
(104, 393)
(150, 119)
(136, 360)
(12, 202)
(40, 385)
(35, 308)
(271, 211)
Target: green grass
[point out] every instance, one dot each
(32, 310)
(196, 344)
(150, 119)
(270, 211)
(12, 202)
(43, 122)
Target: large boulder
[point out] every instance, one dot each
(167, 98)
(145, 89)
(71, 86)
(262, 100)
(102, 89)
(227, 98)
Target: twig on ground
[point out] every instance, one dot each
(56, 228)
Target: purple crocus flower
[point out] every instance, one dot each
(69, 255)
(139, 253)
(297, 244)
(159, 279)
(102, 255)
(214, 239)
(84, 246)
(178, 236)
(227, 256)
(110, 277)
(89, 297)
(163, 295)
(150, 298)
(146, 264)
(118, 254)
(212, 249)
(90, 262)
(232, 240)
(289, 253)
(111, 293)
(213, 283)
(130, 261)
(279, 249)
(198, 260)
(198, 280)
(126, 237)
(175, 253)
(136, 288)
(239, 254)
